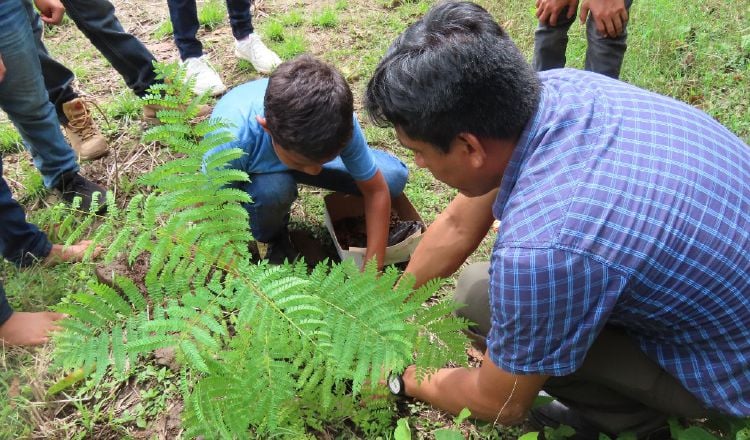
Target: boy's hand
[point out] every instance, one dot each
(2, 68)
(24, 328)
(610, 16)
(51, 11)
(548, 11)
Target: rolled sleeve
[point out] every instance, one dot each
(548, 306)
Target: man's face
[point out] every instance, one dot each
(453, 168)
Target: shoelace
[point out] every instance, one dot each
(83, 121)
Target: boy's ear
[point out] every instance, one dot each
(262, 121)
(473, 148)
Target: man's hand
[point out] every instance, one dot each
(51, 11)
(610, 16)
(549, 10)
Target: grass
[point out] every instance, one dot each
(694, 50)
(10, 140)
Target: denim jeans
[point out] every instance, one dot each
(20, 242)
(274, 193)
(24, 98)
(184, 17)
(603, 55)
(96, 19)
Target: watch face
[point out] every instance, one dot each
(394, 384)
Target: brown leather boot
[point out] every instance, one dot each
(150, 113)
(84, 135)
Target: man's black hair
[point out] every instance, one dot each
(455, 70)
(308, 108)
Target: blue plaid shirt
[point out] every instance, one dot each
(624, 207)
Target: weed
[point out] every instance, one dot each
(10, 140)
(164, 29)
(293, 45)
(274, 31)
(327, 18)
(32, 183)
(212, 14)
(341, 5)
(292, 19)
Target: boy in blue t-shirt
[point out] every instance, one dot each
(297, 127)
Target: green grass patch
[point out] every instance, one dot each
(10, 140)
(293, 45)
(163, 30)
(327, 18)
(292, 19)
(274, 31)
(212, 14)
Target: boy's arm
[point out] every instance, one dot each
(377, 215)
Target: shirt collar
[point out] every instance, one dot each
(522, 151)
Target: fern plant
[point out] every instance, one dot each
(264, 349)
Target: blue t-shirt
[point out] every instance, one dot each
(624, 207)
(238, 110)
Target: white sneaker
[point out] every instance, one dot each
(206, 78)
(252, 49)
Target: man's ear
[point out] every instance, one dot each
(473, 148)
(263, 123)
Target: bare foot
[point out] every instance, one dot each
(25, 328)
(69, 254)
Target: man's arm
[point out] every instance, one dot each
(377, 215)
(490, 393)
(51, 11)
(609, 16)
(452, 237)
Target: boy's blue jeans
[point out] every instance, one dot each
(603, 55)
(24, 98)
(20, 242)
(184, 17)
(96, 19)
(274, 193)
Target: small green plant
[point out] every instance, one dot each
(292, 19)
(212, 14)
(327, 18)
(341, 5)
(10, 140)
(292, 46)
(274, 31)
(163, 30)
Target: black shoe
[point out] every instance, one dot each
(555, 414)
(281, 249)
(72, 185)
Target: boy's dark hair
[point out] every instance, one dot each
(454, 71)
(308, 108)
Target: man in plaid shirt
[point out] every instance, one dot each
(619, 282)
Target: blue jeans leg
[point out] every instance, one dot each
(272, 195)
(605, 55)
(551, 42)
(240, 18)
(184, 17)
(336, 177)
(20, 242)
(24, 98)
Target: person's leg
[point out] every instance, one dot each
(132, 60)
(550, 43)
(617, 389)
(240, 18)
(184, 17)
(24, 98)
(605, 55)
(272, 196)
(21, 243)
(336, 177)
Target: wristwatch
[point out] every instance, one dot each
(396, 384)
